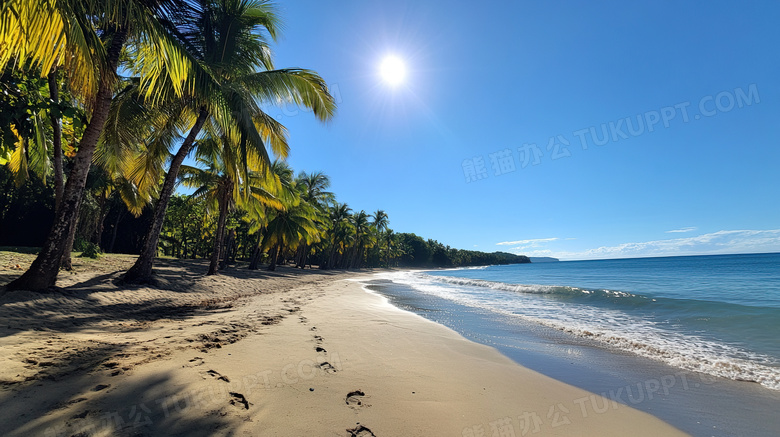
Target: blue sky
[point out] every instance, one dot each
(578, 130)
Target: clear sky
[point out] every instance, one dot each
(577, 130)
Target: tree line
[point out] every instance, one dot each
(106, 100)
(191, 223)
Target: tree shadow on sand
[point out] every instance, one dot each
(150, 406)
(74, 376)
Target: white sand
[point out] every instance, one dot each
(299, 354)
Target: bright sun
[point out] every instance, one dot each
(393, 70)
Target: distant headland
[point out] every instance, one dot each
(543, 259)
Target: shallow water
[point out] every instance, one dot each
(676, 337)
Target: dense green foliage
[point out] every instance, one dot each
(188, 232)
(104, 101)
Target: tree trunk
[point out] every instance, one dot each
(119, 216)
(141, 271)
(387, 257)
(300, 256)
(219, 237)
(255, 261)
(56, 127)
(66, 263)
(42, 274)
(101, 217)
(228, 249)
(183, 252)
(274, 253)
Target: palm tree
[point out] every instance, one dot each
(362, 237)
(316, 189)
(393, 249)
(381, 220)
(294, 222)
(86, 38)
(339, 228)
(106, 188)
(228, 45)
(280, 181)
(378, 226)
(216, 186)
(313, 188)
(229, 180)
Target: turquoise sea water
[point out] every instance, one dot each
(719, 315)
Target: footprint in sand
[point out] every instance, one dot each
(355, 399)
(239, 400)
(360, 431)
(327, 367)
(197, 361)
(318, 339)
(320, 349)
(215, 374)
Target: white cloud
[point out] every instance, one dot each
(526, 242)
(690, 229)
(721, 242)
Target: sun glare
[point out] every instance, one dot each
(393, 70)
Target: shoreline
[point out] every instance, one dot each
(291, 353)
(696, 403)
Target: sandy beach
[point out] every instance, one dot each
(288, 353)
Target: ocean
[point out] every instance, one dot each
(716, 317)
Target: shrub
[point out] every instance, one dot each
(87, 249)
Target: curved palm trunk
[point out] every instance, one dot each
(141, 271)
(219, 238)
(59, 176)
(42, 274)
(56, 127)
(66, 263)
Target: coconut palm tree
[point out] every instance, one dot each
(314, 191)
(229, 180)
(381, 220)
(292, 224)
(85, 38)
(362, 239)
(339, 229)
(378, 226)
(279, 180)
(237, 74)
